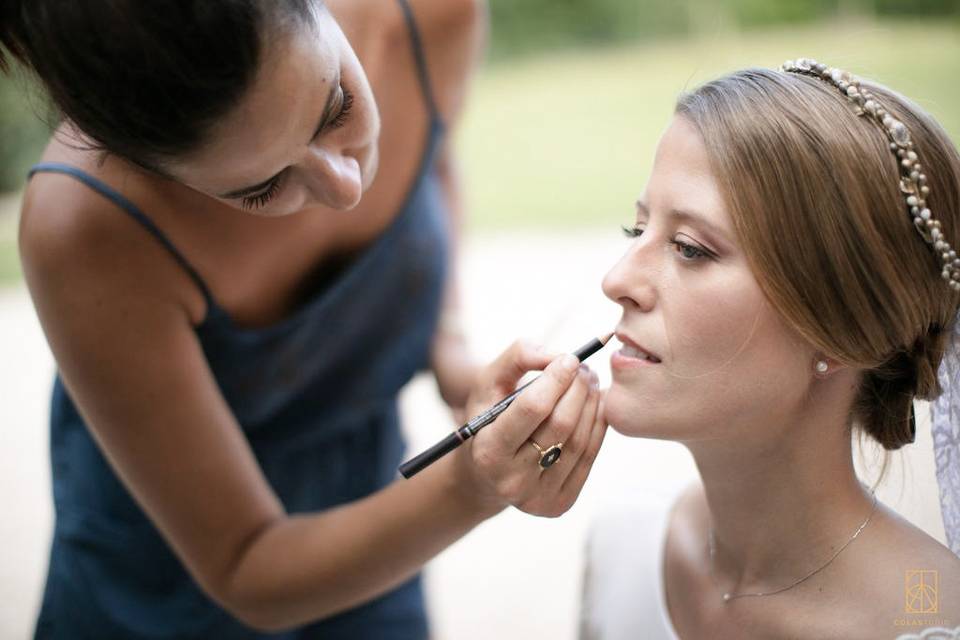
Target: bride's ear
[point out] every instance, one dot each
(824, 367)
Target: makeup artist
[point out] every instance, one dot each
(234, 303)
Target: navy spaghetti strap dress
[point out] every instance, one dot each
(316, 396)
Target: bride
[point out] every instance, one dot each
(791, 282)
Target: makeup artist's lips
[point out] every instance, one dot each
(632, 355)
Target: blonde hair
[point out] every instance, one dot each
(814, 194)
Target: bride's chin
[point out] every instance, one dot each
(632, 418)
(625, 415)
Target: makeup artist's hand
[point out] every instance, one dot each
(563, 405)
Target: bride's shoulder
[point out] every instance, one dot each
(899, 544)
(688, 520)
(902, 578)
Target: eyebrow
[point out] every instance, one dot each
(689, 216)
(246, 191)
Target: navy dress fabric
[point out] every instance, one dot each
(316, 396)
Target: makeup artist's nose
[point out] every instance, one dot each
(628, 284)
(333, 177)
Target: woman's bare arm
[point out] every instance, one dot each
(111, 303)
(456, 39)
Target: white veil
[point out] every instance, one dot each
(945, 421)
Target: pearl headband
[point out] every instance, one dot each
(945, 409)
(913, 182)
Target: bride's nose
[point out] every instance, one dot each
(629, 282)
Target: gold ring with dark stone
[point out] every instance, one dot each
(547, 456)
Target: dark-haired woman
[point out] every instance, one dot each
(234, 302)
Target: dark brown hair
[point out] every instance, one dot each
(814, 194)
(143, 80)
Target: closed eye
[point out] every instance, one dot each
(259, 200)
(339, 120)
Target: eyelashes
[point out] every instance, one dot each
(265, 196)
(341, 118)
(261, 199)
(687, 252)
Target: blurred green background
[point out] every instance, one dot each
(563, 120)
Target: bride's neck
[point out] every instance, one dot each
(778, 509)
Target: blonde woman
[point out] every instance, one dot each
(791, 281)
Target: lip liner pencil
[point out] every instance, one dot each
(420, 462)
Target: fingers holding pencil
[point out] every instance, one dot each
(502, 375)
(553, 497)
(573, 483)
(493, 451)
(536, 402)
(558, 404)
(565, 418)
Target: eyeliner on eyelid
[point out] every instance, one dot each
(635, 232)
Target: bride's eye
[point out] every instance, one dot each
(688, 252)
(632, 232)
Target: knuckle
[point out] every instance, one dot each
(583, 380)
(523, 346)
(574, 443)
(564, 424)
(534, 406)
(589, 457)
(556, 375)
(484, 459)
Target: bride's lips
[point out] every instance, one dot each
(632, 355)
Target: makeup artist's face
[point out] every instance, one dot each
(728, 363)
(304, 135)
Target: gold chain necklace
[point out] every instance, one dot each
(727, 597)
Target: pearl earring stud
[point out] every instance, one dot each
(822, 366)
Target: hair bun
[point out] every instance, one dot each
(887, 398)
(888, 391)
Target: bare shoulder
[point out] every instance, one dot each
(908, 546)
(58, 216)
(435, 16)
(436, 20)
(687, 524)
(921, 557)
(690, 507)
(454, 34)
(901, 580)
(67, 228)
(74, 241)
(451, 34)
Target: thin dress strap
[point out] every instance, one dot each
(421, 59)
(114, 196)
